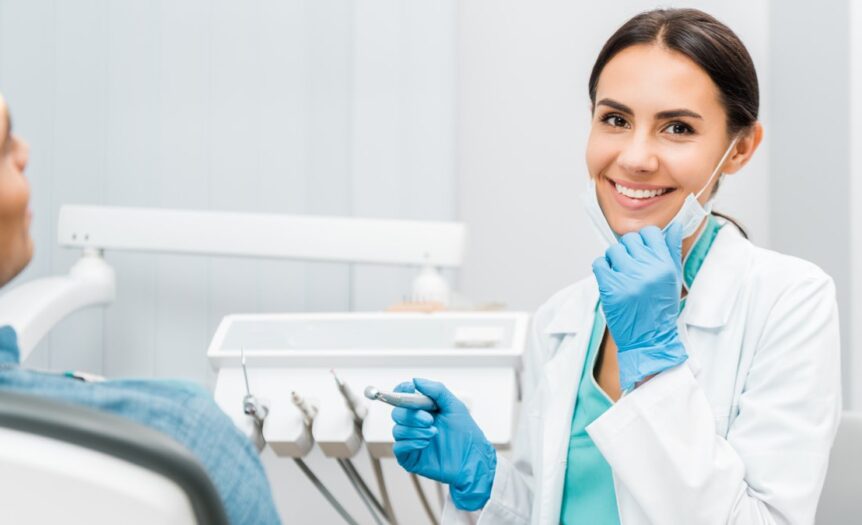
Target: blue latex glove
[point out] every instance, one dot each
(640, 280)
(446, 445)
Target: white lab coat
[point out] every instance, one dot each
(739, 434)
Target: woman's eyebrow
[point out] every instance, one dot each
(619, 106)
(661, 115)
(676, 113)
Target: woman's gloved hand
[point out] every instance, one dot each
(640, 280)
(446, 445)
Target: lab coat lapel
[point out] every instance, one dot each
(716, 287)
(562, 374)
(715, 291)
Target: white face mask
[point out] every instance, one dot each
(689, 216)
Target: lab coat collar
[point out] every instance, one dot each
(716, 288)
(709, 302)
(562, 375)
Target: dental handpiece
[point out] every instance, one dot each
(254, 408)
(401, 399)
(308, 410)
(353, 403)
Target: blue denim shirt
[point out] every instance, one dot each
(180, 409)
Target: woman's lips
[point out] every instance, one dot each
(635, 204)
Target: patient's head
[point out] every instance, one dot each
(16, 246)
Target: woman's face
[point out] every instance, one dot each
(16, 246)
(658, 131)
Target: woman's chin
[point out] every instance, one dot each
(629, 225)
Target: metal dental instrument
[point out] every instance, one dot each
(252, 407)
(359, 412)
(309, 411)
(353, 402)
(401, 399)
(362, 489)
(417, 486)
(258, 411)
(415, 401)
(323, 490)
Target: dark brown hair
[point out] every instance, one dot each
(705, 41)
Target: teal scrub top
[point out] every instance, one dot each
(588, 494)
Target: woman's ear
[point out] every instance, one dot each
(744, 149)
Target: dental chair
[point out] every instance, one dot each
(61, 463)
(841, 500)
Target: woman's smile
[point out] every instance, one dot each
(636, 196)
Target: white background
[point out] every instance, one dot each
(473, 111)
(856, 198)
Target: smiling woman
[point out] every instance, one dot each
(673, 384)
(671, 97)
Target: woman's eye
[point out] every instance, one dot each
(615, 121)
(679, 128)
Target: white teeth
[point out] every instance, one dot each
(639, 194)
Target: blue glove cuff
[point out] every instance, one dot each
(637, 365)
(472, 492)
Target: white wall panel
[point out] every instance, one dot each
(317, 107)
(853, 320)
(132, 141)
(183, 181)
(329, 77)
(235, 108)
(810, 205)
(78, 155)
(404, 120)
(284, 155)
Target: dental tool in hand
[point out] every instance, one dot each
(413, 401)
(401, 399)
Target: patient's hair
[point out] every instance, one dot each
(707, 42)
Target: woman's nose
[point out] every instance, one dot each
(638, 156)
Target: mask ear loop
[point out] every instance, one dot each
(708, 182)
(720, 164)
